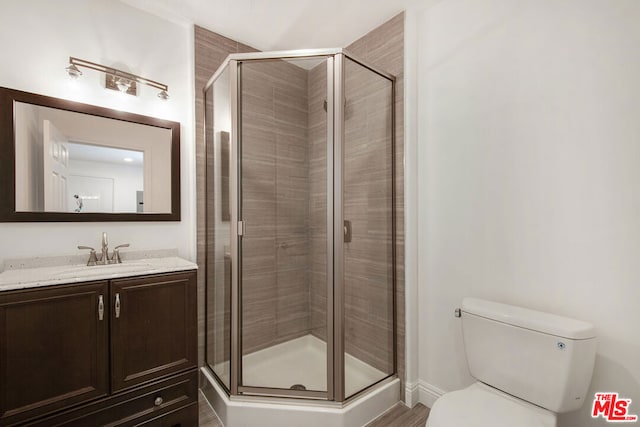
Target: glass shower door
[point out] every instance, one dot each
(218, 269)
(367, 250)
(283, 256)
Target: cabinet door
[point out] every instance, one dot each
(153, 327)
(53, 348)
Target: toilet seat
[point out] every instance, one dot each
(482, 406)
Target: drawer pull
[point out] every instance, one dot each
(158, 401)
(100, 307)
(117, 306)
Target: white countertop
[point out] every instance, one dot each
(32, 274)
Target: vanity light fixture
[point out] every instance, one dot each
(115, 79)
(73, 71)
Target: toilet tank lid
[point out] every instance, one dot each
(530, 319)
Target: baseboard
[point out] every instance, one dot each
(427, 393)
(411, 394)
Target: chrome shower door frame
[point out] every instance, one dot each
(236, 244)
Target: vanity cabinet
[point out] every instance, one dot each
(153, 329)
(118, 352)
(53, 349)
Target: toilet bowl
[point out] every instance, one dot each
(482, 406)
(529, 367)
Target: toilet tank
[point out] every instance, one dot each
(539, 357)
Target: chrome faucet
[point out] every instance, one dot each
(115, 255)
(93, 259)
(104, 256)
(104, 259)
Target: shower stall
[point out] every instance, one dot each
(300, 238)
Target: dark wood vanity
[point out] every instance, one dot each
(89, 348)
(107, 352)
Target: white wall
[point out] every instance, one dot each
(40, 36)
(127, 180)
(528, 189)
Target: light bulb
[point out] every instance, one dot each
(123, 84)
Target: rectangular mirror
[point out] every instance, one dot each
(65, 161)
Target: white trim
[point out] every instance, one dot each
(428, 394)
(412, 326)
(411, 394)
(190, 187)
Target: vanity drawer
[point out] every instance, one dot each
(134, 408)
(185, 417)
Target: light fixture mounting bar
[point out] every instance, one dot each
(117, 73)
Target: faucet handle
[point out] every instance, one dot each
(115, 257)
(93, 259)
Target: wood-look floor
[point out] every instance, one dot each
(208, 418)
(398, 416)
(401, 416)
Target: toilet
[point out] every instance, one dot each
(529, 366)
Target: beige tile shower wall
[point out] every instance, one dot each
(275, 200)
(384, 47)
(368, 302)
(210, 51)
(276, 248)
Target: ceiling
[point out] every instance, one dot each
(100, 154)
(280, 24)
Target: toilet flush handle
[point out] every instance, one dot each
(457, 312)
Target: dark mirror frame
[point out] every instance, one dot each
(7, 160)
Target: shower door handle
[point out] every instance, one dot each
(347, 231)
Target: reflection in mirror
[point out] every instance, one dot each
(67, 161)
(104, 179)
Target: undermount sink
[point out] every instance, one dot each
(98, 270)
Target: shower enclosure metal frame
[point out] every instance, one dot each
(335, 223)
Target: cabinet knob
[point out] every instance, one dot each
(158, 401)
